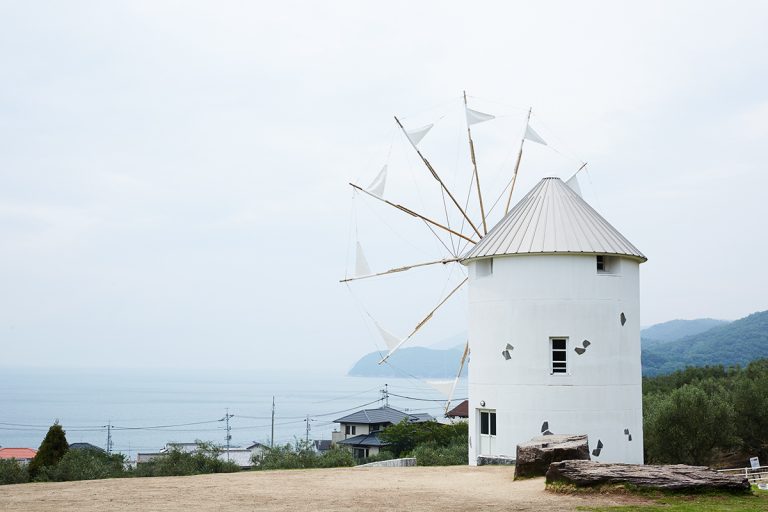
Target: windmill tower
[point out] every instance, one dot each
(554, 329)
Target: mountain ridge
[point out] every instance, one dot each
(683, 343)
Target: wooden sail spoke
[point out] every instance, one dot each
(474, 167)
(458, 376)
(423, 321)
(517, 164)
(414, 214)
(437, 177)
(400, 269)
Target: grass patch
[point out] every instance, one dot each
(701, 502)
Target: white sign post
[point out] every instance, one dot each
(754, 462)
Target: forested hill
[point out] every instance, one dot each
(735, 343)
(677, 329)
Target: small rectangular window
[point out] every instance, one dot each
(354, 430)
(559, 355)
(346, 430)
(488, 423)
(607, 264)
(484, 268)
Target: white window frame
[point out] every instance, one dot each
(552, 351)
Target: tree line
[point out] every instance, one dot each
(712, 415)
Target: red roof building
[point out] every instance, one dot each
(20, 454)
(460, 411)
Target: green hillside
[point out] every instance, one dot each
(735, 343)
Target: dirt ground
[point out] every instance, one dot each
(443, 489)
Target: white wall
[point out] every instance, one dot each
(527, 300)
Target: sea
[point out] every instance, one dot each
(141, 410)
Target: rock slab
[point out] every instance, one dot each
(677, 477)
(495, 460)
(535, 457)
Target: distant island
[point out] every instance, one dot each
(411, 361)
(667, 347)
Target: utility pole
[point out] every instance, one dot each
(109, 437)
(229, 429)
(385, 395)
(309, 427)
(272, 437)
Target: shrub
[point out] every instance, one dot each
(180, 463)
(89, 465)
(13, 472)
(336, 457)
(301, 455)
(405, 436)
(455, 454)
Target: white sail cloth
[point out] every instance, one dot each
(530, 134)
(361, 264)
(474, 116)
(419, 133)
(377, 185)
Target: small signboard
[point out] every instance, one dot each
(754, 462)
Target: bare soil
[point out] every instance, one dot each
(443, 489)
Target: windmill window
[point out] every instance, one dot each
(488, 423)
(606, 264)
(559, 355)
(484, 268)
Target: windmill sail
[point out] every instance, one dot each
(419, 133)
(390, 339)
(445, 387)
(531, 135)
(377, 185)
(361, 264)
(573, 184)
(475, 117)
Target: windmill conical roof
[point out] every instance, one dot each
(553, 219)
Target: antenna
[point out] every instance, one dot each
(272, 437)
(109, 437)
(229, 429)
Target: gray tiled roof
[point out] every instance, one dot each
(382, 415)
(371, 439)
(553, 219)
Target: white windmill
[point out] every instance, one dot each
(554, 325)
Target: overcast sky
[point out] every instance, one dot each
(173, 175)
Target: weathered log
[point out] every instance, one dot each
(535, 456)
(677, 477)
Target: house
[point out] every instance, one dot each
(23, 455)
(85, 446)
(322, 445)
(257, 450)
(360, 430)
(461, 411)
